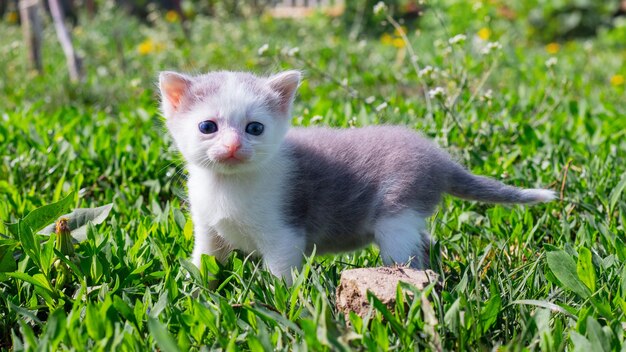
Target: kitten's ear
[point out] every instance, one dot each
(285, 84)
(173, 87)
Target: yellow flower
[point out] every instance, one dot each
(386, 39)
(171, 16)
(553, 48)
(12, 17)
(398, 43)
(484, 33)
(617, 80)
(146, 47)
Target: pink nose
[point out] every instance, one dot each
(232, 143)
(233, 147)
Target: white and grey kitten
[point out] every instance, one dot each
(258, 186)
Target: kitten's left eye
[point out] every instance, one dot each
(255, 128)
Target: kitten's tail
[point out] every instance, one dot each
(463, 184)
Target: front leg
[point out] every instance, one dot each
(207, 241)
(282, 251)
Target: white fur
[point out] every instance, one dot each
(237, 205)
(244, 211)
(401, 238)
(540, 195)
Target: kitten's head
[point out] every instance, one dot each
(228, 121)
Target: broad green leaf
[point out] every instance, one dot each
(46, 255)
(161, 336)
(78, 220)
(7, 262)
(585, 270)
(542, 320)
(93, 322)
(254, 344)
(38, 280)
(598, 339)
(192, 270)
(55, 328)
(581, 344)
(452, 318)
(564, 268)
(160, 305)
(124, 309)
(490, 311)
(40, 217)
(617, 192)
(24, 313)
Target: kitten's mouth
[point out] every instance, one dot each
(230, 160)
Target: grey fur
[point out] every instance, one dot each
(346, 179)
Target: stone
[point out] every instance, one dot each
(381, 281)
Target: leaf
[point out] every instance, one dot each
(161, 336)
(452, 318)
(78, 220)
(29, 244)
(598, 339)
(40, 217)
(581, 344)
(585, 270)
(564, 268)
(617, 192)
(544, 304)
(38, 280)
(55, 328)
(489, 312)
(382, 308)
(192, 270)
(7, 262)
(160, 305)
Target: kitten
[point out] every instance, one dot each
(258, 186)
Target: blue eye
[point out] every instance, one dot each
(207, 127)
(255, 128)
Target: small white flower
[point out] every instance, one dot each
(459, 38)
(426, 72)
(380, 8)
(263, 49)
(316, 118)
(381, 107)
(370, 99)
(293, 51)
(491, 47)
(551, 62)
(437, 93)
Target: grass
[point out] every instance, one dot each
(549, 278)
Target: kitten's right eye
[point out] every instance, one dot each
(207, 127)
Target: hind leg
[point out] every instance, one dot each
(402, 238)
